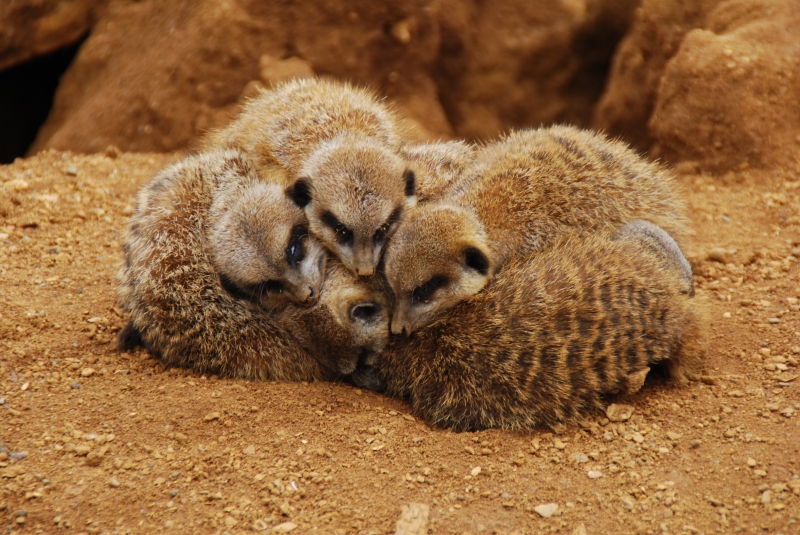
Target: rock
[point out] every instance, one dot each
(113, 482)
(31, 28)
(82, 449)
(413, 520)
(638, 438)
(704, 84)
(718, 254)
(594, 474)
(751, 462)
(581, 458)
(766, 497)
(230, 522)
(250, 450)
(87, 372)
(695, 444)
(546, 510)
(475, 471)
(580, 530)
(619, 413)
(211, 416)
(158, 85)
(559, 445)
(94, 459)
(673, 436)
(286, 527)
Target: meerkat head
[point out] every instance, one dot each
(349, 327)
(261, 246)
(354, 192)
(436, 259)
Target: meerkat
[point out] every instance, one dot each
(549, 336)
(441, 168)
(191, 314)
(525, 190)
(340, 146)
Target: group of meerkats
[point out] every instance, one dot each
(510, 284)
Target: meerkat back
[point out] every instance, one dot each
(340, 145)
(549, 336)
(524, 191)
(179, 308)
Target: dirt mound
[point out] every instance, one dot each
(30, 28)
(153, 75)
(709, 82)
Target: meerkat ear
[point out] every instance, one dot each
(299, 192)
(411, 182)
(475, 259)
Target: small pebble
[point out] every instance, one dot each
(250, 450)
(113, 482)
(75, 386)
(751, 462)
(608, 436)
(766, 497)
(71, 171)
(581, 458)
(169, 523)
(286, 527)
(475, 471)
(559, 445)
(619, 413)
(87, 372)
(546, 510)
(173, 493)
(695, 444)
(594, 474)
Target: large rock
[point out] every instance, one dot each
(153, 75)
(730, 97)
(30, 28)
(711, 81)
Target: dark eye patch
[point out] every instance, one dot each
(343, 234)
(250, 292)
(295, 252)
(383, 230)
(424, 293)
(411, 182)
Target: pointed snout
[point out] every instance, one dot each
(365, 271)
(307, 294)
(401, 326)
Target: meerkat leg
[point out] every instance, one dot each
(129, 338)
(656, 239)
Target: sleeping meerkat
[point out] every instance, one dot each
(525, 190)
(549, 336)
(190, 314)
(340, 145)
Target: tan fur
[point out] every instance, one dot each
(442, 169)
(179, 307)
(525, 190)
(549, 336)
(340, 146)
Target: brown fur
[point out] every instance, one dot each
(181, 310)
(340, 146)
(548, 337)
(525, 190)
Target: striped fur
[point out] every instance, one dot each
(548, 337)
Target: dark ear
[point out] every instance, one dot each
(299, 192)
(411, 182)
(475, 259)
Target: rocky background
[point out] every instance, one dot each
(154, 76)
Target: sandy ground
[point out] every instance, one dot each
(97, 441)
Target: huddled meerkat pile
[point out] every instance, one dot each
(510, 284)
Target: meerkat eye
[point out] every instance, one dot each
(383, 230)
(295, 252)
(343, 234)
(424, 293)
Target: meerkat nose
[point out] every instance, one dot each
(402, 329)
